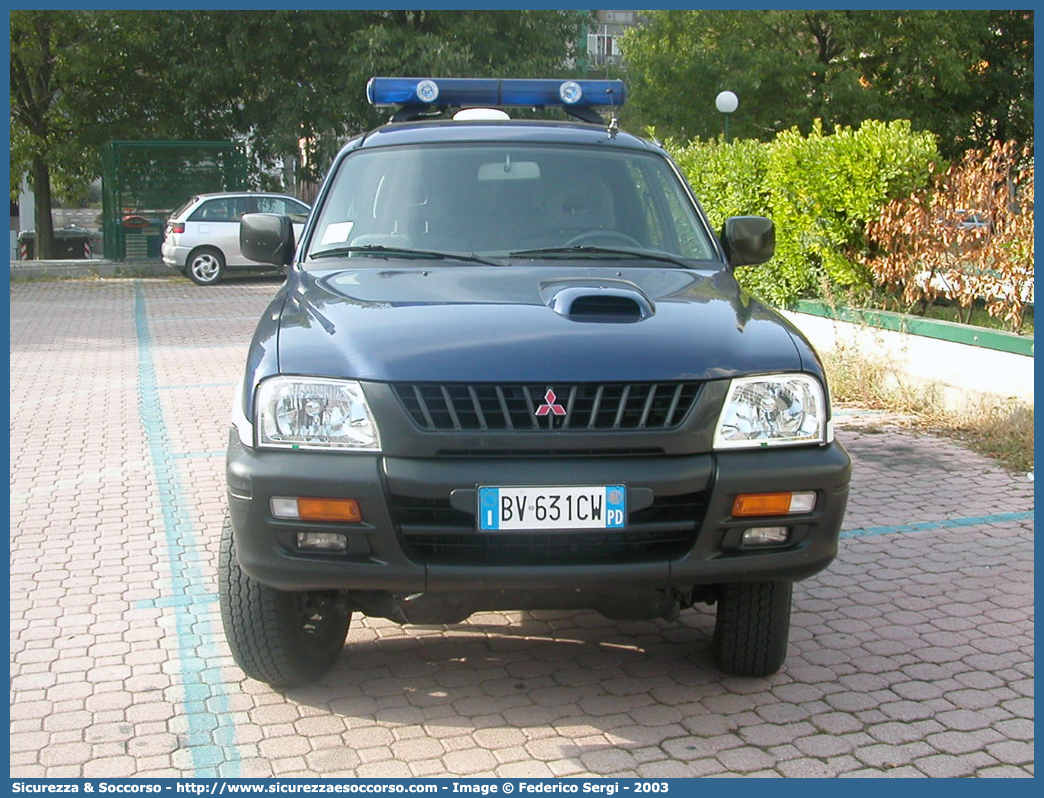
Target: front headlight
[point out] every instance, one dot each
(313, 413)
(777, 410)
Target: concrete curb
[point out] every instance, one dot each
(957, 370)
(966, 334)
(79, 269)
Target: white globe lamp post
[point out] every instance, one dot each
(726, 102)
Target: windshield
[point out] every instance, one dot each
(507, 199)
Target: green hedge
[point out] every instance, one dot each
(820, 190)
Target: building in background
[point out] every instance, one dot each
(604, 36)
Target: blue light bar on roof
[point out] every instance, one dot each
(490, 92)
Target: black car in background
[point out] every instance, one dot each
(511, 369)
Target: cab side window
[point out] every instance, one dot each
(671, 226)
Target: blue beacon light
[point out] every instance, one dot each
(492, 92)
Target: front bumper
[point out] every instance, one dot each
(383, 553)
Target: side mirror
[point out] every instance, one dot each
(267, 238)
(748, 240)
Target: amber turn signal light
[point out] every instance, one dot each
(750, 504)
(329, 510)
(304, 509)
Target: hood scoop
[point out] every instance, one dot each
(601, 301)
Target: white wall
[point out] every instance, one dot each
(962, 371)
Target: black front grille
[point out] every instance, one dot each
(543, 454)
(434, 532)
(536, 407)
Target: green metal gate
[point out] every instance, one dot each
(144, 181)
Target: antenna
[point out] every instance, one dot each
(614, 124)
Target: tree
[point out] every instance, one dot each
(273, 78)
(292, 78)
(78, 80)
(963, 75)
(970, 236)
(1005, 110)
(51, 55)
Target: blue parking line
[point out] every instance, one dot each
(179, 319)
(196, 385)
(164, 602)
(211, 734)
(950, 523)
(183, 347)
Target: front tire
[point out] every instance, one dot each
(752, 627)
(205, 266)
(277, 637)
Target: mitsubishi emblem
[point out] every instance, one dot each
(550, 405)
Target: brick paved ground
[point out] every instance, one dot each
(911, 656)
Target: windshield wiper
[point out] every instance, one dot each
(586, 249)
(380, 251)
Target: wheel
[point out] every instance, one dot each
(594, 237)
(752, 627)
(277, 637)
(205, 266)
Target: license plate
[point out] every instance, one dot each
(582, 507)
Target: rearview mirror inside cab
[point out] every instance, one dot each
(509, 170)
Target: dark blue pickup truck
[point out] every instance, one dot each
(511, 369)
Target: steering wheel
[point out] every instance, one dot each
(604, 237)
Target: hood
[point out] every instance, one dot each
(551, 322)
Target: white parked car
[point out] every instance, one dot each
(202, 236)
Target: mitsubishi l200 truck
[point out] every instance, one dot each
(511, 369)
